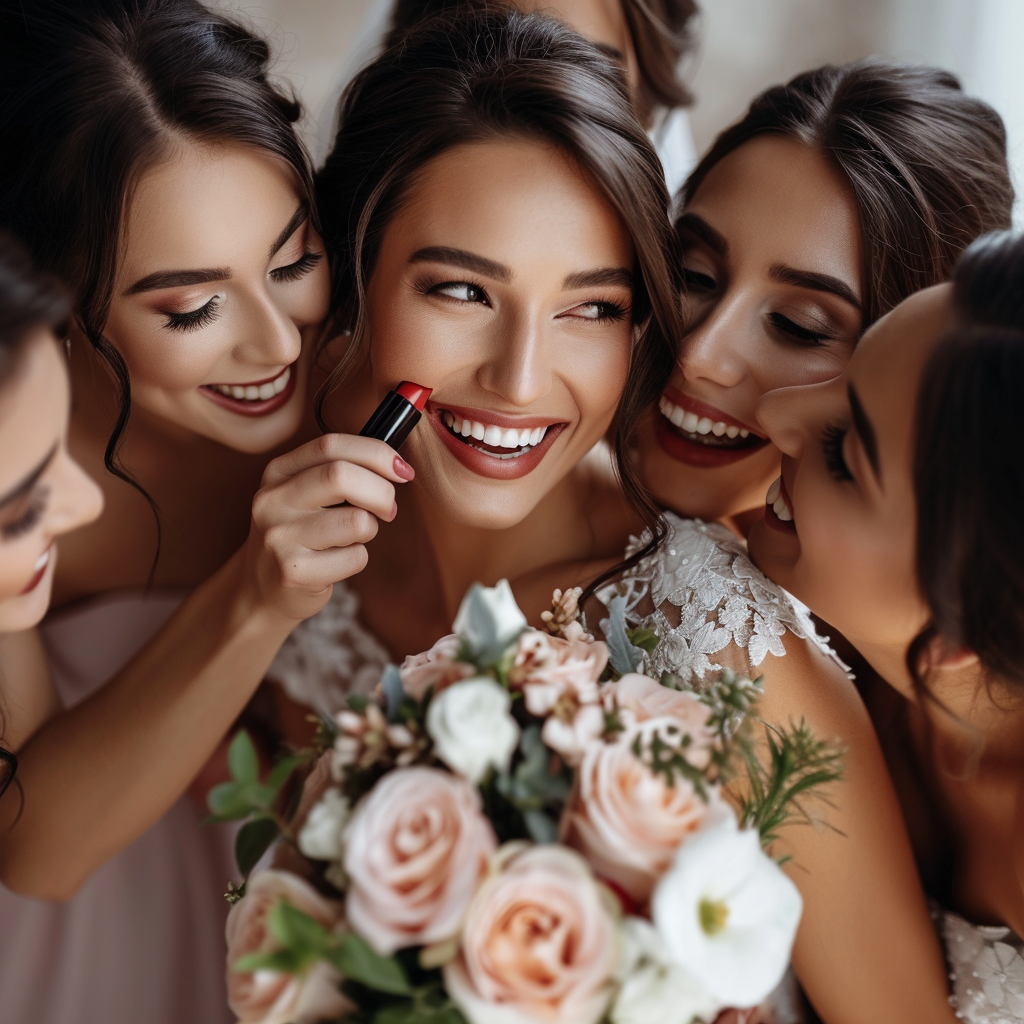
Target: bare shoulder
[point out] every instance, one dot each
(28, 696)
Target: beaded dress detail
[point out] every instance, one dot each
(710, 606)
(986, 969)
(330, 656)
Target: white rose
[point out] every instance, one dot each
(653, 989)
(489, 620)
(728, 914)
(320, 837)
(472, 728)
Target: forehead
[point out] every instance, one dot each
(778, 200)
(514, 200)
(207, 206)
(886, 369)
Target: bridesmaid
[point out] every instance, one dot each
(903, 486)
(834, 198)
(149, 162)
(44, 493)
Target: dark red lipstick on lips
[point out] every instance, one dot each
(393, 420)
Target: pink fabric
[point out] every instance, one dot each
(143, 941)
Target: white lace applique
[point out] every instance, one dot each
(986, 970)
(330, 656)
(700, 593)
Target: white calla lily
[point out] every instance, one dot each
(489, 620)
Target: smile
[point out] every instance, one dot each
(255, 398)
(38, 570)
(696, 433)
(778, 508)
(494, 445)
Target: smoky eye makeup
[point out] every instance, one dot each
(26, 515)
(194, 319)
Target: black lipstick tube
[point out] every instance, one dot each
(393, 420)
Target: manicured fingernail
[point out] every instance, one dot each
(403, 469)
(394, 512)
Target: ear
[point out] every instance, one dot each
(939, 655)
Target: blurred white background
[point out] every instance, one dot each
(746, 45)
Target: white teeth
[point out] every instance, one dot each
(781, 509)
(267, 391)
(773, 492)
(690, 421)
(677, 416)
(732, 431)
(718, 429)
(252, 393)
(282, 382)
(238, 392)
(744, 432)
(703, 425)
(499, 437)
(256, 392)
(42, 560)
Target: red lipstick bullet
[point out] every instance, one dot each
(395, 417)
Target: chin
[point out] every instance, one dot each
(26, 610)
(480, 508)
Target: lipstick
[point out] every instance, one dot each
(393, 420)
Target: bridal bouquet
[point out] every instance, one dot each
(521, 827)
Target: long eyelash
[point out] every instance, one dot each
(695, 279)
(299, 268)
(30, 520)
(611, 311)
(430, 286)
(783, 323)
(194, 319)
(832, 447)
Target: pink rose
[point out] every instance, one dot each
(436, 667)
(627, 821)
(539, 942)
(549, 669)
(416, 847)
(643, 698)
(271, 997)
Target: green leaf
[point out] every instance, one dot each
(622, 655)
(286, 961)
(281, 773)
(357, 961)
(645, 639)
(229, 801)
(297, 931)
(253, 840)
(242, 759)
(542, 828)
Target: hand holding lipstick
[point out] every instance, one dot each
(319, 506)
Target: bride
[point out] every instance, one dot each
(902, 502)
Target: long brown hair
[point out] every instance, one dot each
(926, 164)
(496, 73)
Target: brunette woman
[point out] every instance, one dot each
(835, 197)
(902, 497)
(493, 256)
(148, 160)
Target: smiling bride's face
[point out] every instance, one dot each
(505, 283)
(220, 292)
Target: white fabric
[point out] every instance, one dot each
(143, 941)
(671, 135)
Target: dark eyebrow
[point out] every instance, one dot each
(300, 216)
(816, 282)
(595, 278)
(865, 431)
(184, 278)
(178, 279)
(464, 260)
(29, 482)
(698, 226)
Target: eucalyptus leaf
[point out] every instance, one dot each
(542, 828)
(394, 693)
(645, 639)
(281, 773)
(253, 840)
(243, 761)
(357, 961)
(622, 654)
(229, 801)
(285, 960)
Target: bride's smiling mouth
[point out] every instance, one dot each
(255, 398)
(698, 434)
(492, 444)
(778, 508)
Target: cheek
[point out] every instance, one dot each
(776, 365)
(595, 374)
(307, 302)
(17, 567)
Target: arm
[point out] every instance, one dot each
(29, 697)
(97, 776)
(866, 951)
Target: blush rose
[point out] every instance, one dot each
(415, 849)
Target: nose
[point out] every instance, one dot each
(77, 498)
(270, 337)
(518, 368)
(789, 416)
(717, 348)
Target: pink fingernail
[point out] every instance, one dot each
(403, 469)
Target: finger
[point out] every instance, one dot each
(362, 451)
(326, 530)
(319, 570)
(324, 485)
